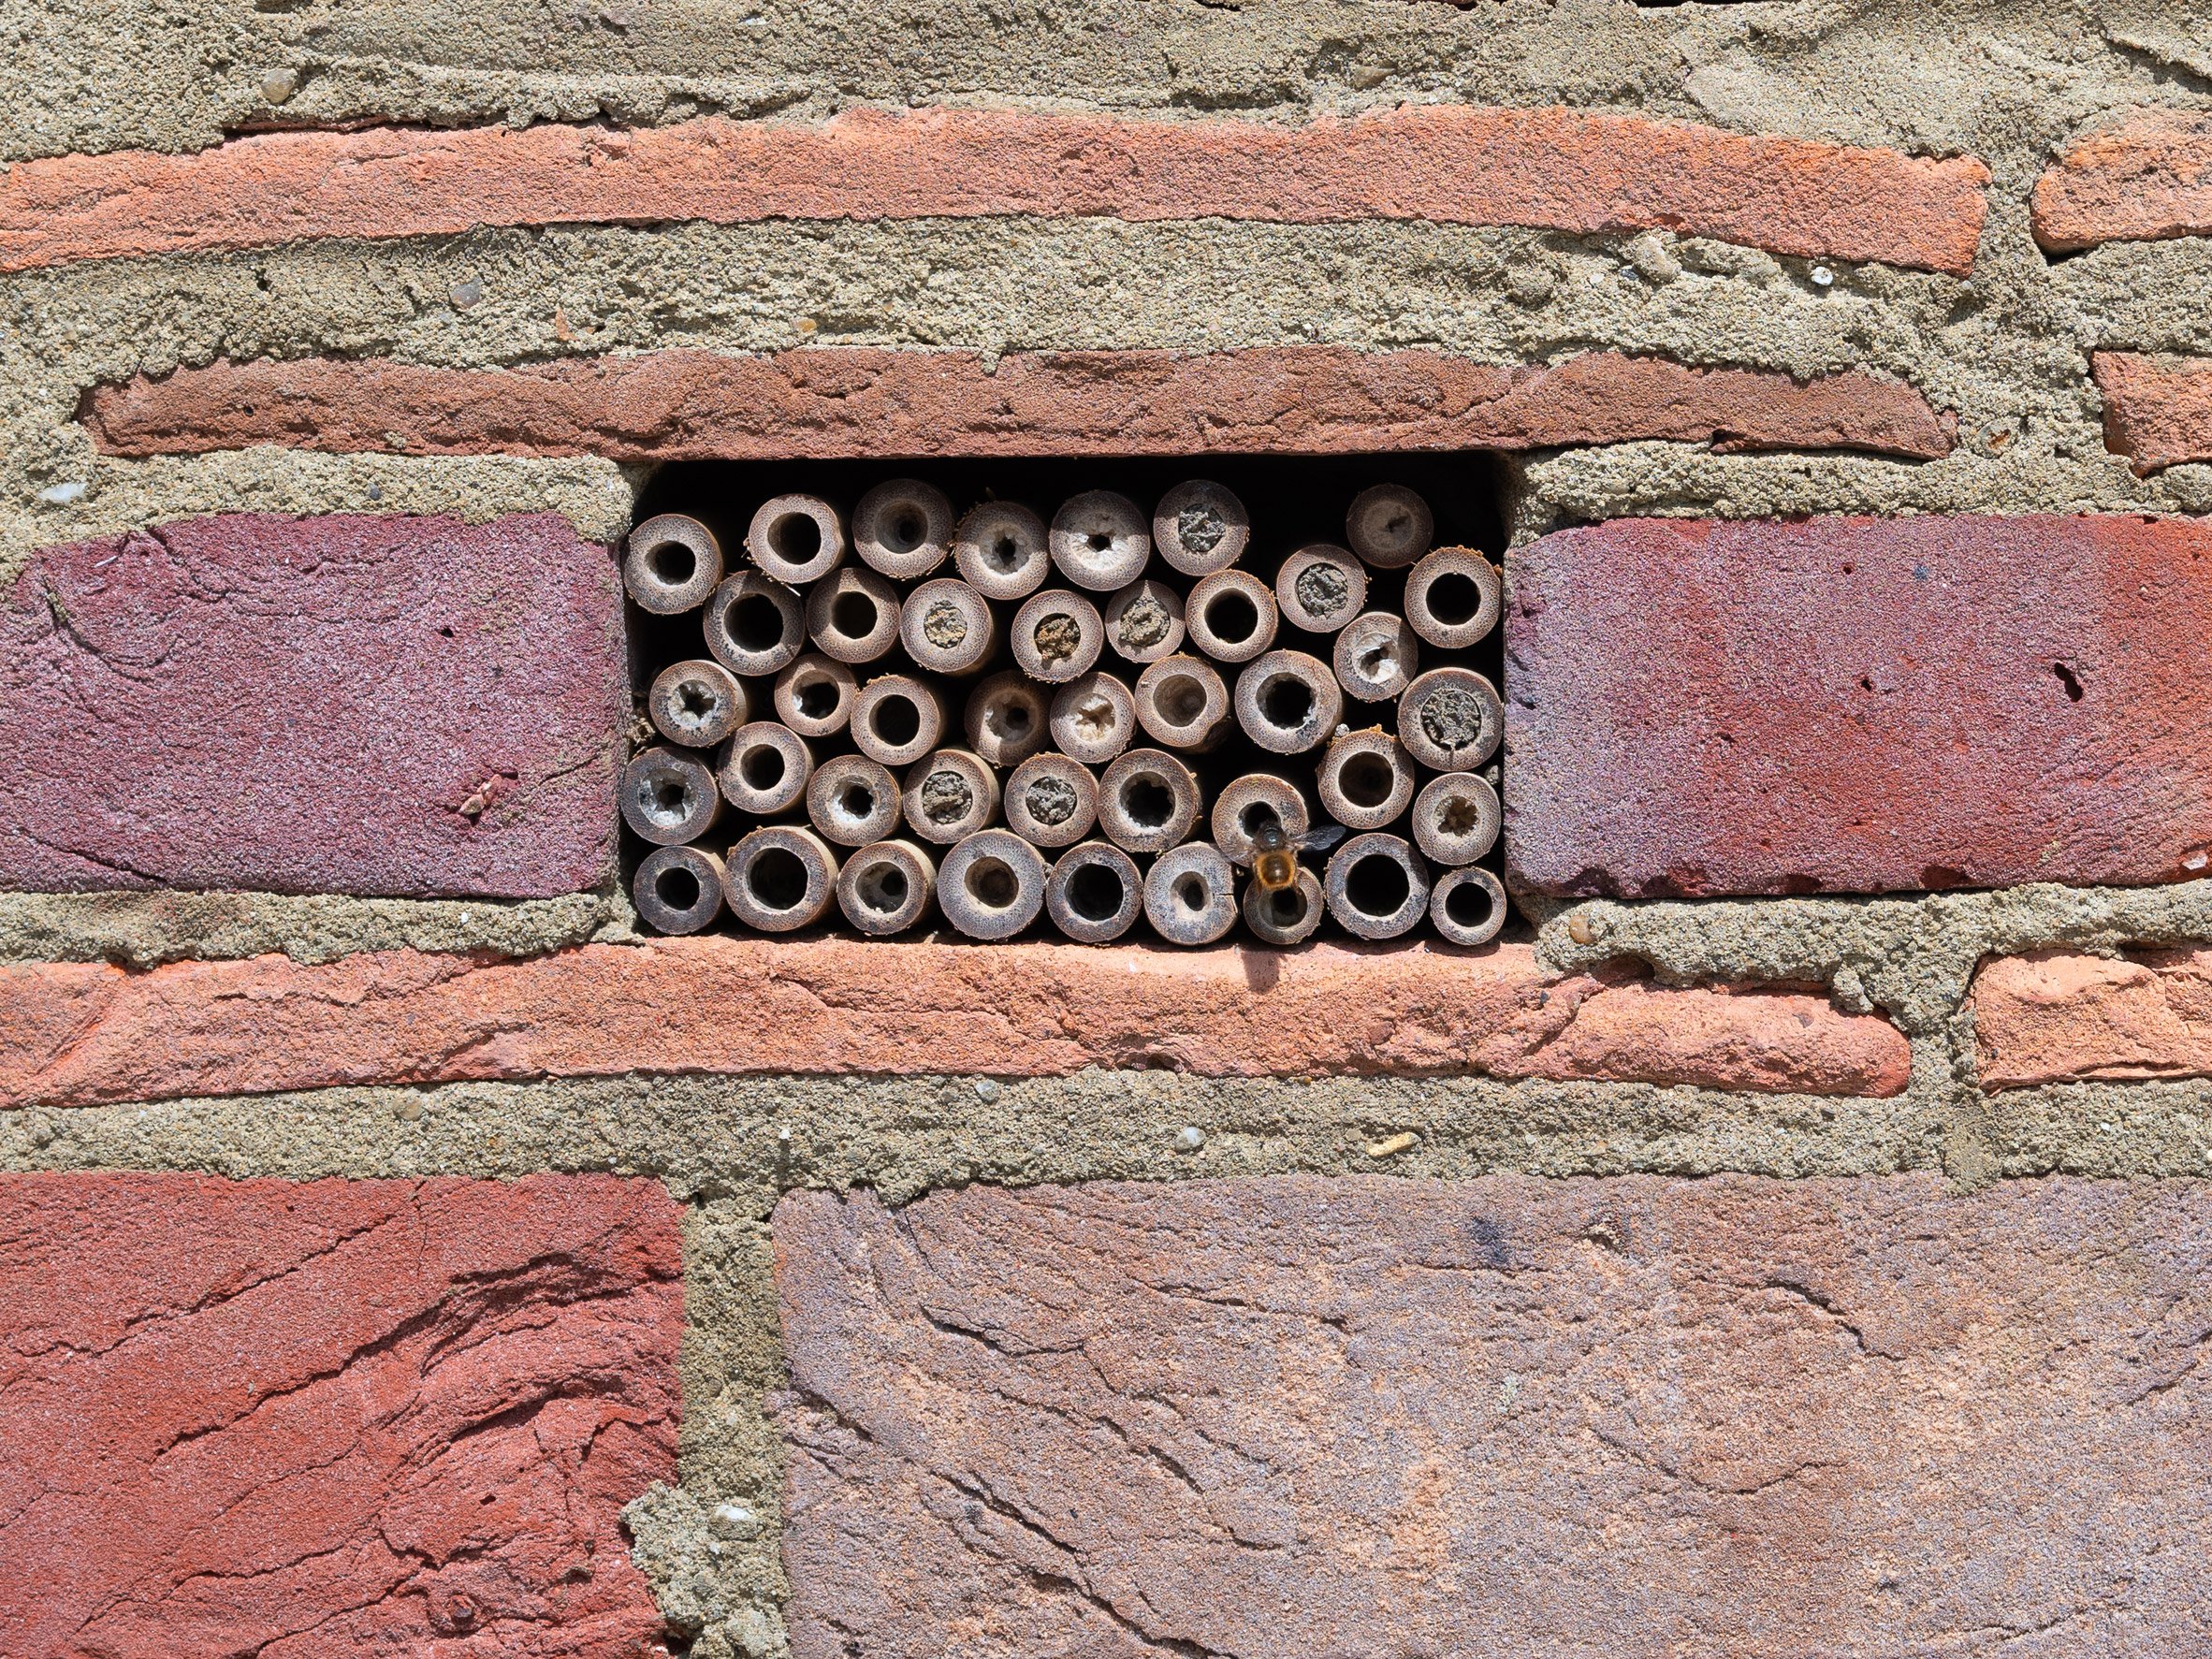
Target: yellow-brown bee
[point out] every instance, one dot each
(1274, 854)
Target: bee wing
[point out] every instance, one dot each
(1320, 840)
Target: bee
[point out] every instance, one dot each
(1274, 854)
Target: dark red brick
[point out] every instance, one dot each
(1514, 1418)
(355, 704)
(1852, 705)
(331, 1421)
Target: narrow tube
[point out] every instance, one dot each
(1450, 718)
(1389, 526)
(991, 885)
(764, 769)
(1365, 780)
(1051, 801)
(1148, 800)
(1094, 893)
(1200, 526)
(1377, 656)
(754, 625)
(1182, 703)
(1144, 621)
(1289, 702)
(903, 528)
(1056, 635)
(947, 627)
(779, 878)
(1232, 616)
(1288, 915)
(1101, 540)
(796, 538)
(1006, 719)
(696, 704)
(852, 800)
(1376, 886)
(885, 886)
(1002, 550)
(1453, 597)
(814, 695)
(677, 888)
(853, 616)
(1248, 805)
(1456, 818)
(670, 564)
(897, 719)
(669, 797)
(948, 795)
(1468, 906)
(1320, 587)
(1190, 895)
(1094, 717)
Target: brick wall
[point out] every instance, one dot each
(1789, 1238)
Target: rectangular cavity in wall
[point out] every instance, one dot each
(1200, 700)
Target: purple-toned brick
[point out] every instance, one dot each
(1502, 1418)
(351, 704)
(1859, 706)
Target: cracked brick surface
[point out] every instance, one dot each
(1510, 1416)
(342, 1418)
(364, 704)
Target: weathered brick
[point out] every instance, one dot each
(355, 703)
(1557, 168)
(2158, 410)
(83, 1033)
(1859, 706)
(343, 1417)
(1729, 1417)
(2062, 1016)
(2142, 178)
(838, 401)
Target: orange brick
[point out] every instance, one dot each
(2143, 179)
(81, 1034)
(2158, 410)
(1553, 168)
(840, 401)
(2059, 1016)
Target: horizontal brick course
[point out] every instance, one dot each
(343, 1417)
(1553, 168)
(1514, 1418)
(2145, 177)
(2064, 1016)
(1859, 706)
(351, 704)
(2158, 410)
(838, 401)
(84, 1033)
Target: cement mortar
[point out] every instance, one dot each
(143, 930)
(1969, 74)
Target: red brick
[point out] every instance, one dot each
(1859, 706)
(83, 1033)
(1512, 1417)
(1558, 168)
(356, 703)
(2158, 410)
(2059, 1016)
(837, 402)
(2146, 177)
(342, 1418)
